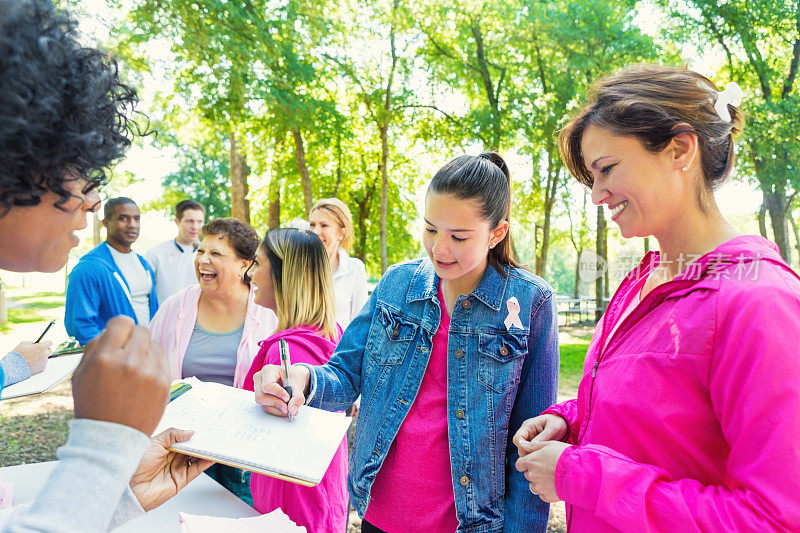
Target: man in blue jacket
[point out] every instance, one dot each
(112, 279)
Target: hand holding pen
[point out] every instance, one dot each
(36, 353)
(285, 364)
(273, 397)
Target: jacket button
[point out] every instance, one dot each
(458, 353)
(395, 333)
(503, 350)
(459, 413)
(465, 304)
(464, 481)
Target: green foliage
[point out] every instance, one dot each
(561, 269)
(760, 40)
(202, 176)
(438, 78)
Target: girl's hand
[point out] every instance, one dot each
(270, 394)
(539, 429)
(538, 464)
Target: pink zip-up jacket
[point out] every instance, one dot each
(323, 508)
(689, 418)
(173, 324)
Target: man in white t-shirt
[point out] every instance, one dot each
(112, 279)
(173, 260)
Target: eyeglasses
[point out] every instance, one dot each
(91, 197)
(246, 277)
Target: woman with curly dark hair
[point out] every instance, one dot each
(63, 122)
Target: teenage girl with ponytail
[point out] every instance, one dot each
(450, 355)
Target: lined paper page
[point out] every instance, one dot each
(231, 427)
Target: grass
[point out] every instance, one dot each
(33, 438)
(26, 308)
(572, 356)
(43, 294)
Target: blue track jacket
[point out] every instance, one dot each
(97, 291)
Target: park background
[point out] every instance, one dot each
(258, 108)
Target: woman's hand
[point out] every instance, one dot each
(35, 354)
(161, 473)
(270, 394)
(538, 464)
(539, 429)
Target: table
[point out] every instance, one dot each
(202, 496)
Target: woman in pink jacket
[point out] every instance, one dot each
(688, 414)
(291, 275)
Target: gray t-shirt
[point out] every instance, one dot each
(139, 282)
(212, 356)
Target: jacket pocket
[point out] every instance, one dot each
(501, 359)
(390, 336)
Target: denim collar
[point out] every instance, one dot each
(424, 285)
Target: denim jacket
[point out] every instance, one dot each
(496, 379)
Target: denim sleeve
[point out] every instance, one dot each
(336, 384)
(13, 369)
(537, 391)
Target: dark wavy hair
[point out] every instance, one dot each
(654, 103)
(63, 109)
(241, 235)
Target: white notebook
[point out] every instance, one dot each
(57, 370)
(231, 428)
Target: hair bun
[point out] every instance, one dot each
(495, 158)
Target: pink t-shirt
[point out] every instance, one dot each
(413, 490)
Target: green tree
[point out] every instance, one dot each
(201, 177)
(761, 43)
(467, 47)
(566, 45)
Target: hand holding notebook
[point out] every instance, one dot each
(231, 428)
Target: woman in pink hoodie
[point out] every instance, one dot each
(291, 275)
(688, 414)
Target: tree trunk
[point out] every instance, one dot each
(96, 225)
(762, 220)
(541, 259)
(601, 250)
(796, 235)
(305, 179)
(777, 206)
(553, 176)
(274, 193)
(384, 130)
(338, 165)
(364, 209)
(576, 291)
(240, 205)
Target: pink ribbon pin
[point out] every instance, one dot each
(513, 313)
